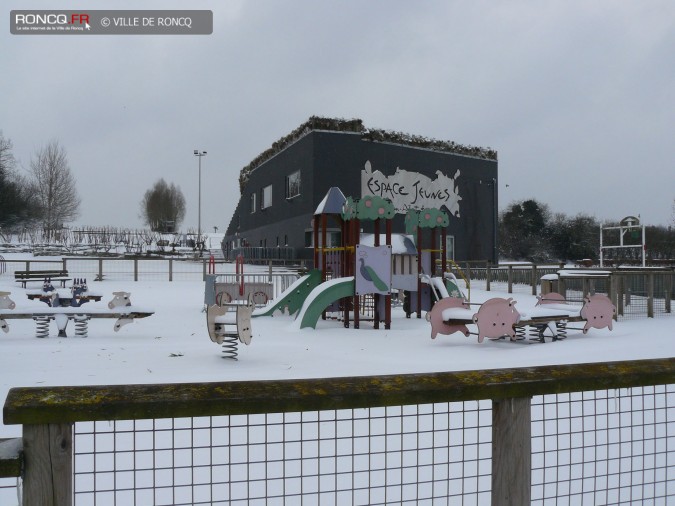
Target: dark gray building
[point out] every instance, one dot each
(281, 189)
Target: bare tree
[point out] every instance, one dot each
(7, 161)
(53, 187)
(163, 207)
(15, 204)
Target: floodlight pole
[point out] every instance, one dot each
(199, 154)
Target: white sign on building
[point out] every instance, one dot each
(412, 190)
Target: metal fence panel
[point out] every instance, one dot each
(394, 455)
(598, 447)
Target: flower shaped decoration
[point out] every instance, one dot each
(372, 207)
(432, 218)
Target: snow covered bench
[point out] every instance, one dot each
(24, 277)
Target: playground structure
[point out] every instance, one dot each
(373, 266)
(635, 241)
(355, 277)
(352, 271)
(367, 268)
(423, 225)
(221, 289)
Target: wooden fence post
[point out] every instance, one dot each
(611, 292)
(534, 280)
(511, 451)
(669, 291)
(100, 269)
(135, 269)
(48, 460)
(510, 278)
(488, 274)
(562, 286)
(650, 295)
(170, 269)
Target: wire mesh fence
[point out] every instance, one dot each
(394, 455)
(10, 491)
(604, 447)
(597, 447)
(132, 269)
(333, 445)
(637, 294)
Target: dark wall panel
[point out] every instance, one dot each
(336, 159)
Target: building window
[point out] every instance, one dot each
(266, 200)
(253, 195)
(293, 185)
(450, 247)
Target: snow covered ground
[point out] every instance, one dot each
(173, 345)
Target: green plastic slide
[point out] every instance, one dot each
(321, 297)
(294, 296)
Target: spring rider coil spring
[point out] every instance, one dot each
(81, 325)
(41, 326)
(230, 345)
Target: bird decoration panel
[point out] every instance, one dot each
(373, 269)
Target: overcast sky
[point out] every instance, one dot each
(577, 97)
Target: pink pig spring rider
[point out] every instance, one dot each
(435, 317)
(495, 319)
(598, 311)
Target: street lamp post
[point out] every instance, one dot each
(199, 154)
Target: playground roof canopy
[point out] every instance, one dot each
(332, 203)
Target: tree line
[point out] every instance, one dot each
(45, 196)
(529, 231)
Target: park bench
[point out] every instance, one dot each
(52, 275)
(119, 307)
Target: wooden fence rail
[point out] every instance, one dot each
(48, 414)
